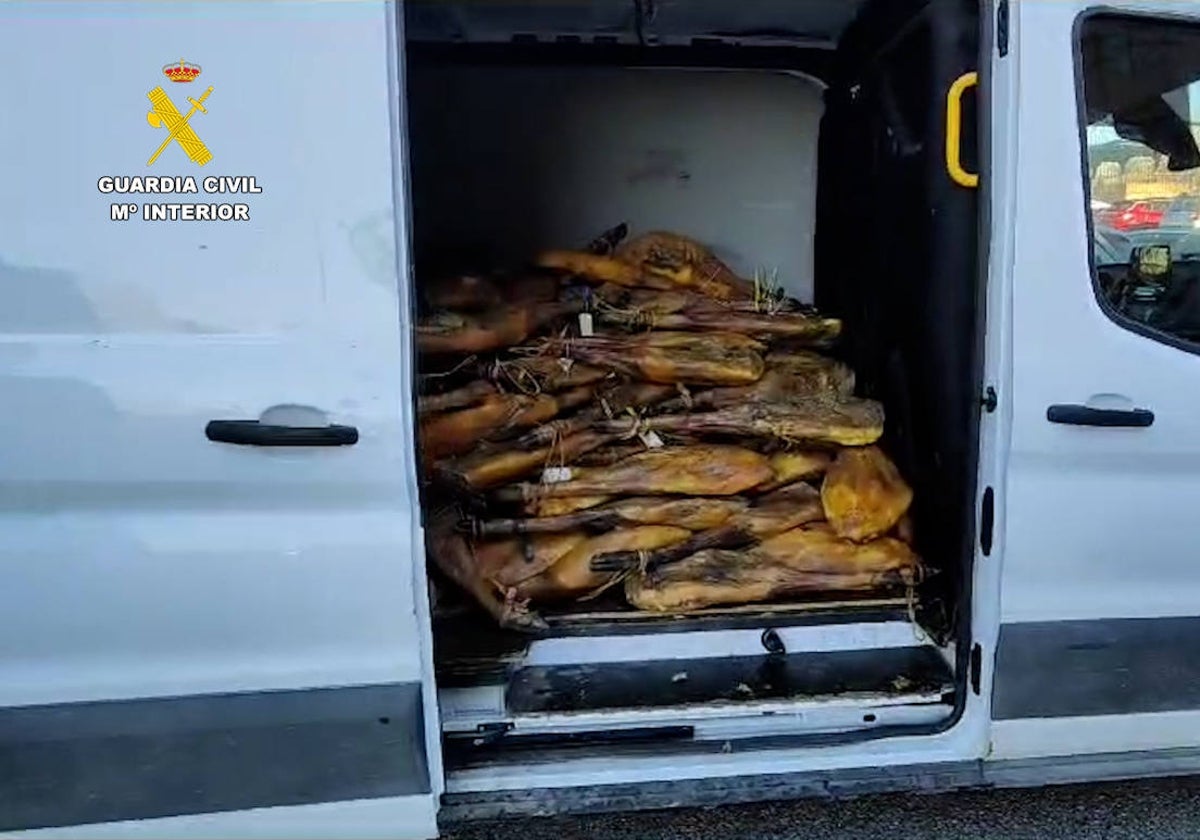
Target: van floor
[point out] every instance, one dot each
(470, 649)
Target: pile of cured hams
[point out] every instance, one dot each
(637, 417)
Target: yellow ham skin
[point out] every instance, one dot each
(716, 358)
(864, 494)
(599, 269)
(560, 505)
(684, 263)
(456, 432)
(461, 562)
(841, 422)
(795, 465)
(571, 576)
(493, 467)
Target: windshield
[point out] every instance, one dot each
(1138, 196)
(1141, 86)
(1142, 144)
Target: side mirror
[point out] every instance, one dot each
(1152, 262)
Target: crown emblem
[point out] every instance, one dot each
(181, 72)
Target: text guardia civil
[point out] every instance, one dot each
(180, 211)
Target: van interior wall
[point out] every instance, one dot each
(510, 160)
(896, 259)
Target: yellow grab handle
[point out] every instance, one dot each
(954, 166)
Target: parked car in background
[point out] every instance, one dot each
(1137, 215)
(1172, 237)
(1182, 212)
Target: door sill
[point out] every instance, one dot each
(632, 707)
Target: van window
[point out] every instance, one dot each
(1141, 98)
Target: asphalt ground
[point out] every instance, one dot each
(1153, 810)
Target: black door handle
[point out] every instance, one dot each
(254, 433)
(1081, 415)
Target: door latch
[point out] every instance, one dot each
(989, 401)
(772, 643)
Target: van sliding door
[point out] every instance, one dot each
(1100, 599)
(213, 605)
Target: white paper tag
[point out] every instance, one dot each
(585, 324)
(651, 440)
(556, 475)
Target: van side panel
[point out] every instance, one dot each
(186, 610)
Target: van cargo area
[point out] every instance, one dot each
(803, 145)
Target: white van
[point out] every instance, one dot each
(214, 600)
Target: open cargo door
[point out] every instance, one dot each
(215, 618)
(896, 259)
(608, 693)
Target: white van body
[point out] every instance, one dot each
(206, 640)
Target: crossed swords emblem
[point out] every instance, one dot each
(164, 113)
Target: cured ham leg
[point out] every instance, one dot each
(461, 291)
(609, 455)
(608, 241)
(571, 575)
(612, 403)
(780, 325)
(848, 422)
(785, 379)
(561, 505)
(491, 467)
(501, 327)
(468, 395)
(694, 514)
(792, 466)
(684, 339)
(499, 414)
(802, 560)
(685, 263)
(473, 291)
(458, 431)
(683, 471)
(812, 373)
(599, 268)
(506, 575)
(655, 260)
(772, 514)
(639, 307)
(543, 373)
(455, 558)
(718, 358)
(864, 494)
